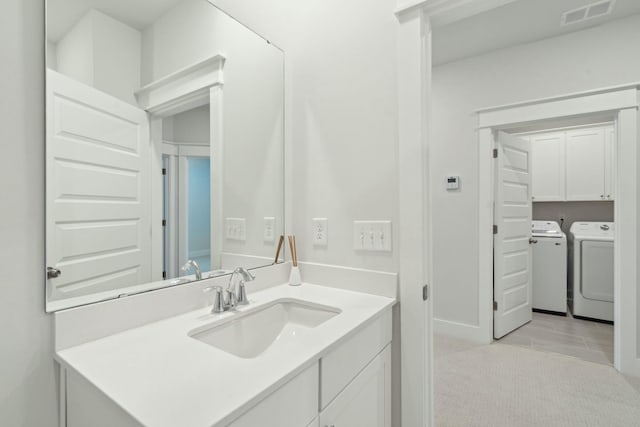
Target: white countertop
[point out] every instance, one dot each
(162, 377)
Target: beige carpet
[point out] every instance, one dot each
(502, 385)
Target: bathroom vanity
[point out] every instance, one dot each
(295, 356)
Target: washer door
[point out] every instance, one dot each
(597, 270)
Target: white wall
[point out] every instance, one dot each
(27, 380)
(598, 57)
(104, 53)
(341, 112)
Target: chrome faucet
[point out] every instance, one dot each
(196, 268)
(235, 294)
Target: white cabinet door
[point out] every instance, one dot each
(609, 163)
(585, 164)
(366, 401)
(295, 404)
(548, 167)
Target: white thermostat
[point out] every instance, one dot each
(453, 182)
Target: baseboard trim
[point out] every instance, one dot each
(462, 331)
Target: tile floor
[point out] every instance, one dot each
(584, 339)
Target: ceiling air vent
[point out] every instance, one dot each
(585, 13)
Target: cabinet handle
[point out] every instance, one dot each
(608, 196)
(602, 196)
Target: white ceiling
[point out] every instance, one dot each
(520, 22)
(139, 14)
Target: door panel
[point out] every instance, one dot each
(512, 253)
(596, 277)
(98, 194)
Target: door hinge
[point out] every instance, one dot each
(495, 153)
(495, 229)
(425, 292)
(495, 306)
(164, 222)
(164, 171)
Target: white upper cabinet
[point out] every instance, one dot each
(574, 165)
(548, 167)
(585, 164)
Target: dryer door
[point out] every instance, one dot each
(597, 270)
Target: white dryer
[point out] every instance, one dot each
(591, 270)
(549, 267)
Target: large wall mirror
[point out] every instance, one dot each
(164, 147)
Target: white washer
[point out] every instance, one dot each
(549, 267)
(591, 270)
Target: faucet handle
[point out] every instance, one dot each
(241, 298)
(218, 301)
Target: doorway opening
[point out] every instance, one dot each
(618, 104)
(186, 191)
(554, 192)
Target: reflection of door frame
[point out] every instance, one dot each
(191, 87)
(620, 103)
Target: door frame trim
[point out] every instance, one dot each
(621, 103)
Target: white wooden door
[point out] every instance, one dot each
(548, 167)
(585, 164)
(98, 191)
(366, 401)
(512, 252)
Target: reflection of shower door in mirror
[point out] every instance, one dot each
(98, 225)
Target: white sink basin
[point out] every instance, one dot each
(251, 334)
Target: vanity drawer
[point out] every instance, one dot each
(294, 404)
(343, 364)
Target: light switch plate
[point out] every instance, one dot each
(236, 229)
(269, 229)
(320, 231)
(372, 236)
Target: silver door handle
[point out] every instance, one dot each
(532, 240)
(52, 272)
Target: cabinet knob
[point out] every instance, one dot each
(608, 196)
(602, 196)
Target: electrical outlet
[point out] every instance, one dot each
(372, 236)
(320, 231)
(236, 229)
(269, 229)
